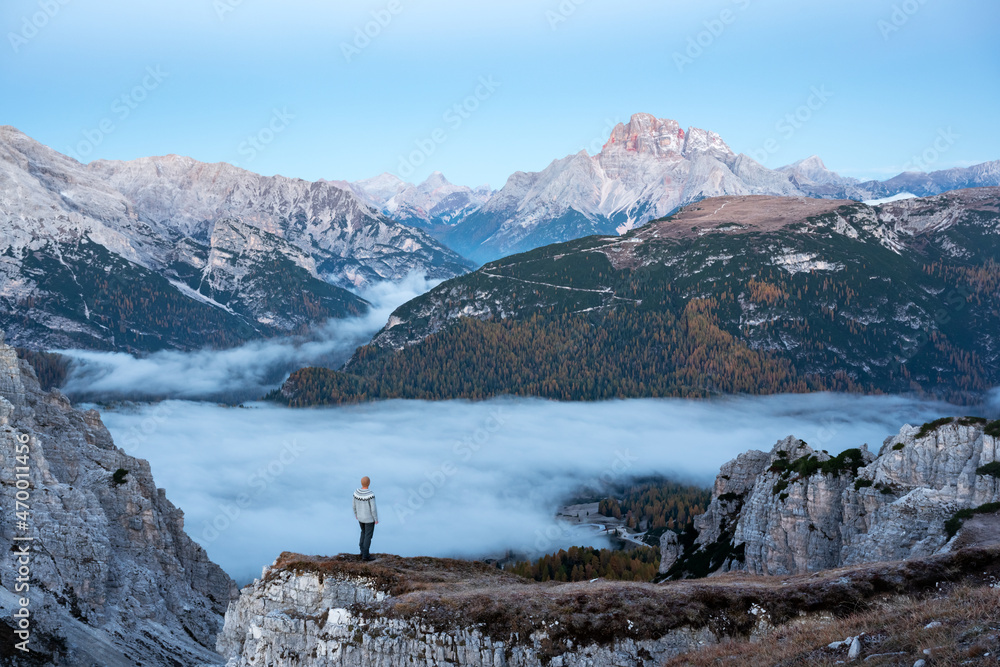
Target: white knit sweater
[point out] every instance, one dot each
(364, 506)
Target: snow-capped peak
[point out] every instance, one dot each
(435, 200)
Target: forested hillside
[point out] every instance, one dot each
(585, 563)
(752, 295)
(657, 505)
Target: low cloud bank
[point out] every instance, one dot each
(237, 374)
(456, 478)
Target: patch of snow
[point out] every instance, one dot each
(198, 296)
(802, 262)
(889, 200)
(717, 258)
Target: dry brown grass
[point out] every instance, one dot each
(894, 634)
(397, 575)
(447, 593)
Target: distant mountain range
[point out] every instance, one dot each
(168, 252)
(435, 203)
(648, 168)
(738, 294)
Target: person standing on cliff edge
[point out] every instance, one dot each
(367, 515)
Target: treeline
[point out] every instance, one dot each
(131, 308)
(625, 353)
(140, 310)
(50, 368)
(585, 563)
(148, 315)
(685, 323)
(657, 505)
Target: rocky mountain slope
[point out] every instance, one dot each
(171, 253)
(813, 178)
(433, 204)
(351, 244)
(648, 168)
(113, 580)
(319, 612)
(730, 295)
(930, 489)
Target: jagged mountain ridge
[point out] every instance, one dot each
(432, 204)
(115, 581)
(648, 168)
(351, 244)
(735, 294)
(795, 510)
(171, 253)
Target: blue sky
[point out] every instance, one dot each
(270, 85)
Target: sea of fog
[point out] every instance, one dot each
(238, 374)
(455, 478)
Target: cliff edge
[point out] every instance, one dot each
(110, 577)
(311, 611)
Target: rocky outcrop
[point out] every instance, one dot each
(795, 510)
(324, 612)
(114, 580)
(843, 532)
(308, 611)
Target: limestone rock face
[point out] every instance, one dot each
(310, 620)
(917, 484)
(795, 510)
(735, 481)
(114, 579)
(670, 550)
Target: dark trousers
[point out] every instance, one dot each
(367, 530)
